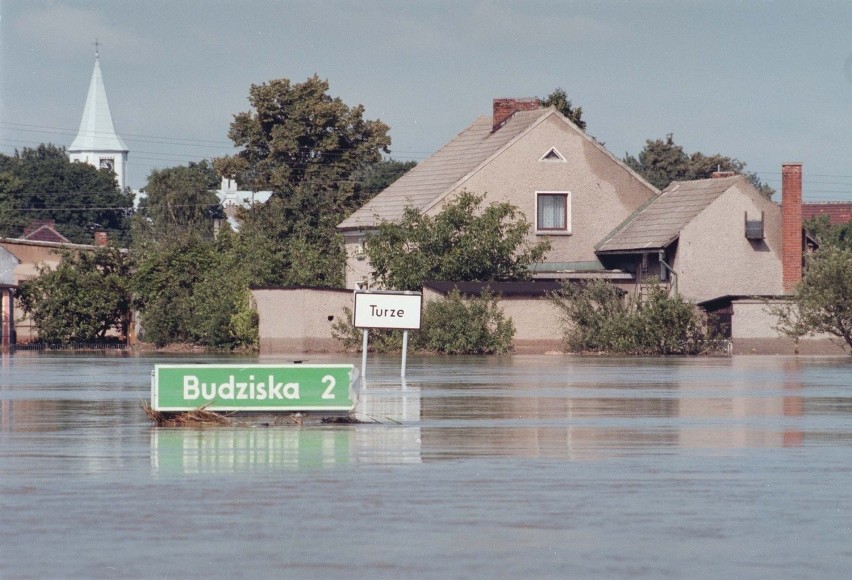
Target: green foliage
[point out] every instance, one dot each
(823, 299)
(322, 160)
(464, 242)
(559, 99)
(662, 162)
(836, 236)
(298, 134)
(83, 299)
(598, 319)
(42, 184)
(196, 291)
(289, 242)
(376, 177)
(180, 201)
(454, 325)
(465, 326)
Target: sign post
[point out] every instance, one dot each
(386, 309)
(253, 387)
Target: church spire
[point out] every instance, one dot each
(97, 143)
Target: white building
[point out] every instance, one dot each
(231, 198)
(97, 142)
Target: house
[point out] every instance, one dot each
(536, 159)
(20, 260)
(705, 238)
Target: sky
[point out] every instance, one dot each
(764, 81)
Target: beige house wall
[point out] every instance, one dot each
(753, 332)
(603, 192)
(714, 258)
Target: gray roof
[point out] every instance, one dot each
(658, 222)
(440, 172)
(97, 132)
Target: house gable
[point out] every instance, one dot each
(714, 255)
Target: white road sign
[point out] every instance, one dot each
(398, 310)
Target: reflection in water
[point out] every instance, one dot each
(391, 435)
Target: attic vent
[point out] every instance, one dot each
(552, 155)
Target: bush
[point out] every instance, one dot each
(452, 326)
(465, 326)
(598, 319)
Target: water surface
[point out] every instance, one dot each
(539, 466)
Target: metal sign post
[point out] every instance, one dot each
(386, 309)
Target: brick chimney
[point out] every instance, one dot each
(101, 239)
(791, 225)
(505, 108)
(721, 174)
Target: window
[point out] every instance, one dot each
(754, 228)
(553, 212)
(108, 163)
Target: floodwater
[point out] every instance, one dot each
(517, 467)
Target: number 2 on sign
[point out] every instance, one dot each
(327, 394)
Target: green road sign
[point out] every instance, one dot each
(297, 387)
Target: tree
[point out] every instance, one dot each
(180, 201)
(462, 242)
(195, 290)
(559, 99)
(662, 161)
(42, 184)
(823, 299)
(298, 135)
(837, 235)
(312, 150)
(85, 298)
(376, 177)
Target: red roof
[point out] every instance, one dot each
(838, 212)
(43, 231)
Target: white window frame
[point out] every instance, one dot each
(566, 231)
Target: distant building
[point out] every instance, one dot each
(838, 212)
(97, 142)
(232, 198)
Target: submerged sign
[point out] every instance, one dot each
(297, 387)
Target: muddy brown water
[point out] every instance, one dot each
(525, 466)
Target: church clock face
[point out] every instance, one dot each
(108, 164)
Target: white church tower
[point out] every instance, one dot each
(97, 142)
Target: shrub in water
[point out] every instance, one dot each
(598, 319)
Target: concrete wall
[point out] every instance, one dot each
(753, 332)
(714, 258)
(298, 320)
